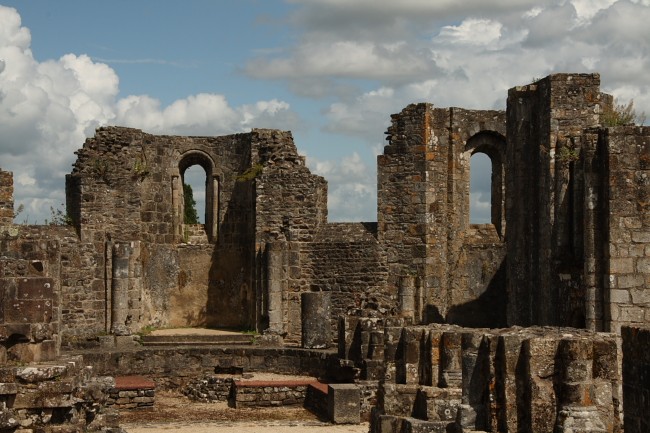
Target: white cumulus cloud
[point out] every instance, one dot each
(48, 108)
(352, 192)
(452, 53)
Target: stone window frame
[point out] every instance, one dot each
(492, 144)
(186, 160)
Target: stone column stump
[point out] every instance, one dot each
(316, 326)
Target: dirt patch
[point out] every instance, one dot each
(176, 413)
(172, 407)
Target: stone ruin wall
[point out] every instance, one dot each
(129, 264)
(30, 295)
(545, 200)
(442, 267)
(343, 260)
(123, 172)
(575, 209)
(449, 378)
(573, 225)
(347, 261)
(264, 194)
(624, 199)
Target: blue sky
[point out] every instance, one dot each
(331, 71)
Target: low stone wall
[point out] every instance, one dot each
(261, 393)
(55, 397)
(132, 392)
(209, 389)
(175, 367)
(316, 399)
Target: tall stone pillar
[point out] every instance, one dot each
(451, 360)
(474, 408)
(406, 290)
(125, 272)
(214, 222)
(576, 397)
(276, 264)
(177, 206)
(316, 324)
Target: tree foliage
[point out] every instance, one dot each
(191, 216)
(622, 114)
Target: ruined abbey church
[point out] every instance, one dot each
(568, 246)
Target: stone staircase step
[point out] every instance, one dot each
(196, 340)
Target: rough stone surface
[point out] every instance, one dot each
(316, 323)
(512, 379)
(53, 397)
(636, 379)
(343, 403)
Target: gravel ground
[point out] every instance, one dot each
(175, 412)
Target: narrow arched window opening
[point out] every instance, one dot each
(196, 171)
(194, 183)
(480, 195)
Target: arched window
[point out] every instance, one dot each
(487, 179)
(196, 169)
(480, 189)
(194, 181)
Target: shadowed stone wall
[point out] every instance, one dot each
(423, 213)
(545, 256)
(625, 202)
(636, 380)
(576, 206)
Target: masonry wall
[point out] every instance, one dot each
(411, 202)
(84, 304)
(544, 249)
(30, 300)
(626, 201)
(127, 186)
(343, 259)
(290, 201)
(423, 212)
(346, 260)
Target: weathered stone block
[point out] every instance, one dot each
(619, 296)
(344, 403)
(413, 425)
(621, 265)
(8, 388)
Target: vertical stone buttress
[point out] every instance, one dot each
(126, 286)
(412, 207)
(542, 119)
(626, 203)
(276, 280)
